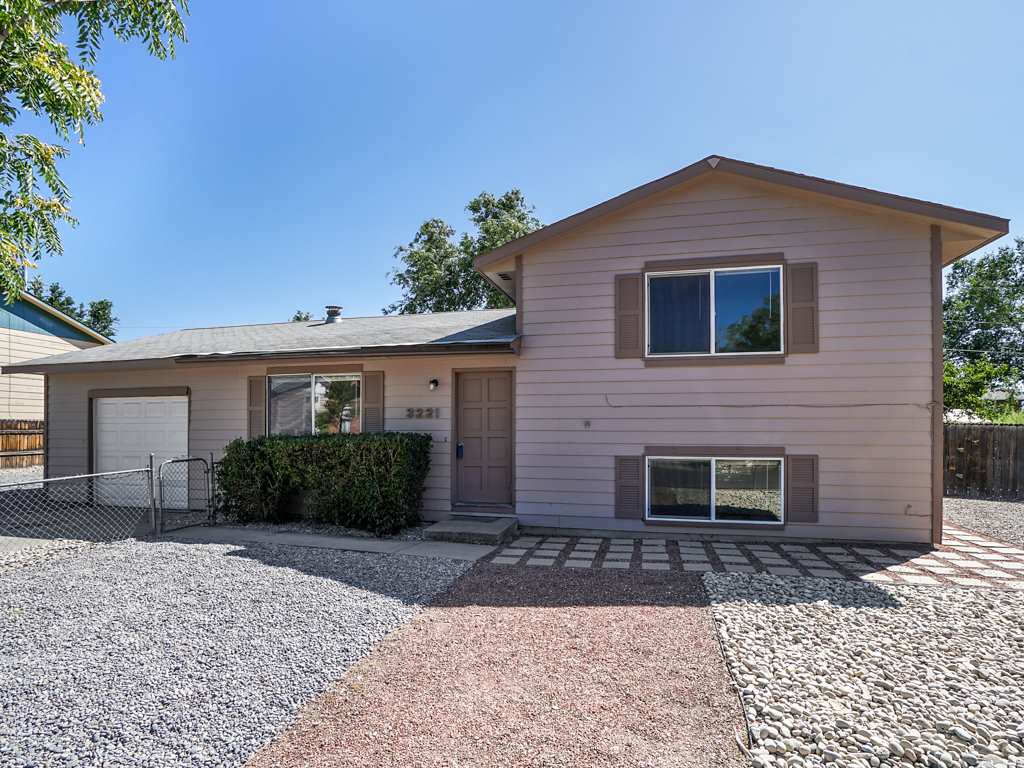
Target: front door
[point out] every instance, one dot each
(483, 449)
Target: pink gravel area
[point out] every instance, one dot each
(534, 667)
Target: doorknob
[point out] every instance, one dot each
(459, 447)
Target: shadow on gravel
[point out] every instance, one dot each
(495, 586)
(395, 576)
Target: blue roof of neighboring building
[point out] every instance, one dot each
(33, 315)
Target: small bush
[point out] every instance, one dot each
(373, 482)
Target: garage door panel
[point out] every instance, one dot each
(128, 429)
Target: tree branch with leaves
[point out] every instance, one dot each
(437, 273)
(39, 76)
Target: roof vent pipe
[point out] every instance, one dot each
(333, 314)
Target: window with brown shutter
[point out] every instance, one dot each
(629, 487)
(802, 307)
(257, 406)
(629, 316)
(802, 489)
(373, 401)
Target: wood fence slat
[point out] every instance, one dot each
(21, 442)
(983, 460)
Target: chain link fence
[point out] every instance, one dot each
(184, 493)
(107, 506)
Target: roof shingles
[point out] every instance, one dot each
(441, 330)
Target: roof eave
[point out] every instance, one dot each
(67, 319)
(498, 346)
(996, 226)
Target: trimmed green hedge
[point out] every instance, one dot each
(373, 482)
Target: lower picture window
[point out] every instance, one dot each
(738, 490)
(313, 404)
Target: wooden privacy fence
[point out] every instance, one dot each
(984, 460)
(21, 443)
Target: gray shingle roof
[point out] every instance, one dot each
(443, 331)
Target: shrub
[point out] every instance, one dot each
(373, 482)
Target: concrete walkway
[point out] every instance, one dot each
(223, 534)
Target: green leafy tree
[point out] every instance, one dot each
(39, 76)
(983, 312)
(301, 317)
(437, 273)
(983, 329)
(965, 383)
(98, 315)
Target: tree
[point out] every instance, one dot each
(983, 312)
(983, 329)
(301, 317)
(38, 75)
(98, 315)
(437, 273)
(964, 385)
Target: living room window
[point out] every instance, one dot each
(314, 404)
(727, 311)
(715, 489)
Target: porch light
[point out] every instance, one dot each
(433, 384)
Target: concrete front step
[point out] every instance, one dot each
(474, 530)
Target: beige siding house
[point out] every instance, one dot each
(30, 329)
(732, 349)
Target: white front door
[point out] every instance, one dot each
(127, 430)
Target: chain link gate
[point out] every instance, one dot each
(184, 493)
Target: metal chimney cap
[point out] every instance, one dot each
(333, 313)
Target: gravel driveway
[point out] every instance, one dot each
(160, 654)
(1002, 520)
(534, 667)
(861, 676)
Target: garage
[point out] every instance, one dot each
(128, 429)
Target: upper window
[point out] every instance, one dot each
(313, 404)
(732, 311)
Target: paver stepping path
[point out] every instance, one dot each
(965, 558)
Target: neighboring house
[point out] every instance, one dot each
(29, 329)
(729, 349)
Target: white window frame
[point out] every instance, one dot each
(713, 519)
(312, 394)
(711, 272)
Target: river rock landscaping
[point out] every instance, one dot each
(161, 654)
(863, 676)
(1003, 520)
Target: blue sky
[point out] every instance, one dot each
(278, 161)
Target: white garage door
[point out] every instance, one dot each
(128, 429)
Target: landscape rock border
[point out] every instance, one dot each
(834, 673)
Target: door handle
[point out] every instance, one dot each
(459, 448)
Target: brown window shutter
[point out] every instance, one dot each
(373, 401)
(629, 316)
(802, 307)
(801, 489)
(629, 487)
(257, 406)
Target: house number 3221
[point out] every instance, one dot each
(422, 413)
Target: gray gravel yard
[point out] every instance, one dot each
(159, 654)
(1002, 520)
(862, 675)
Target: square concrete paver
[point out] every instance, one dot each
(698, 567)
(540, 561)
(615, 564)
(506, 560)
(655, 566)
(778, 570)
(579, 563)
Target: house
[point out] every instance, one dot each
(31, 328)
(729, 349)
